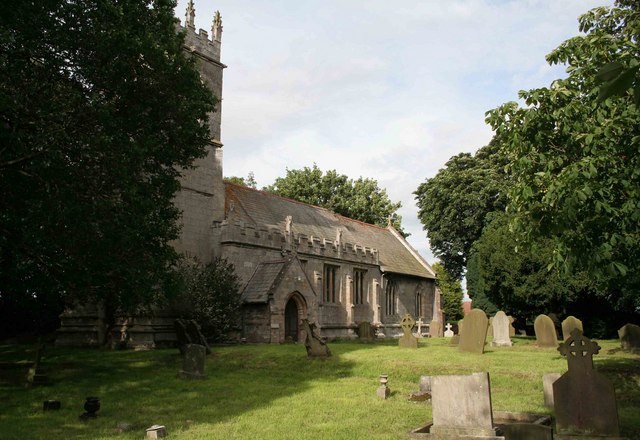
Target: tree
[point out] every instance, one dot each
(249, 181)
(99, 111)
(451, 291)
(359, 199)
(210, 295)
(453, 204)
(574, 157)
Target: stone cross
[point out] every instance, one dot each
(407, 324)
(448, 333)
(419, 322)
(584, 400)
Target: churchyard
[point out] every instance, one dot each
(276, 391)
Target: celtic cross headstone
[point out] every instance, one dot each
(407, 339)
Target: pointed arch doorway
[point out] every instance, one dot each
(294, 312)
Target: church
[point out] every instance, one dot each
(295, 261)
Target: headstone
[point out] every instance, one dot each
(365, 332)
(584, 400)
(156, 431)
(545, 332)
(501, 330)
(448, 333)
(461, 406)
(419, 323)
(407, 339)
(474, 334)
(548, 380)
(568, 325)
(425, 383)
(629, 337)
(435, 329)
(316, 347)
(193, 362)
(34, 375)
(512, 329)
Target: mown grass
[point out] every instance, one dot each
(275, 392)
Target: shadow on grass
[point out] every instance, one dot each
(140, 388)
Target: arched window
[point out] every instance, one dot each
(418, 305)
(391, 297)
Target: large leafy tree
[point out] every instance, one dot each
(574, 157)
(451, 293)
(99, 109)
(453, 204)
(361, 199)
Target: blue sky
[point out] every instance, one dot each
(375, 89)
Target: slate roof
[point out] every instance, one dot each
(262, 282)
(260, 208)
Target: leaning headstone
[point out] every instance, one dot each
(568, 325)
(448, 333)
(407, 339)
(193, 362)
(629, 337)
(435, 329)
(548, 379)
(584, 400)
(365, 332)
(461, 406)
(545, 332)
(474, 335)
(512, 329)
(316, 347)
(501, 330)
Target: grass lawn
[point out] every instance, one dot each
(275, 392)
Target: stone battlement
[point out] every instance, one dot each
(273, 238)
(199, 42)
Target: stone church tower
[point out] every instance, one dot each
(201, 198)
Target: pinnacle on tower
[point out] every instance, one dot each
(216, 27)
(190, 16)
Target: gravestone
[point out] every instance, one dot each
(316, 347)
(34, 375)
(448, 333)
(630, 337)
(584, 400)
(419, 324)
(365, 332)
(461, 406)
(568, 325)
(435, 329)
(548, 380)
(512, 329)
(407, 339)
(193, 362)
(545, 332)
(501, 330)
(156, 431)
(474, 334)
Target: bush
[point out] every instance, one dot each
(210, 295)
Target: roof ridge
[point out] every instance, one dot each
(247, 188)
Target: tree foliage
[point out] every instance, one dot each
(99, 109)
(574, 157)
(249, 181)
(451, 293)
(453, 204)
(210, 295)
(360, 199)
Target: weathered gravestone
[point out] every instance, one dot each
(568, 325)
(448, 333)
(316, 347)
(512, 329)
(474, 335)
(365, 332)
(630, 337)
(545, 332)
(407, 339)
(193, 362)
(501, 330)
(461, 406)
(584, 400)
(435, 329)
(548, 379)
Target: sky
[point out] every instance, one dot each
(374, 89)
